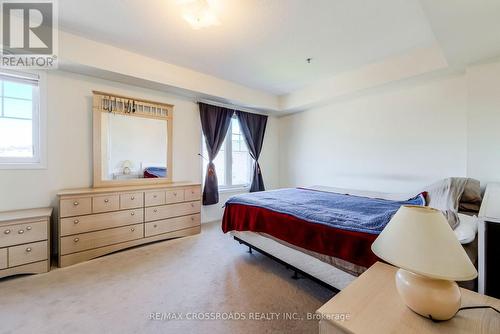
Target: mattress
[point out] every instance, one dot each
(346, 266)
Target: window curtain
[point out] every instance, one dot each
(253, 127)
(214, 122)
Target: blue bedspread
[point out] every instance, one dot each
(156, 171)
(347, 212)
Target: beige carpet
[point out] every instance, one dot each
(205, 273)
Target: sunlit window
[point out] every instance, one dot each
(19, 119)
(233, 163)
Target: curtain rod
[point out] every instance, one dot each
(231, 106)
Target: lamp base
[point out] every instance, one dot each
(435, 299)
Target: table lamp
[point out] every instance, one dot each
(422, 244)
(126, 167)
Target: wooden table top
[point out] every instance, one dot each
(139, 187)
(372, 305)
(25, 214)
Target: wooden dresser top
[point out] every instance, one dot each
(87, 191)
(374, 306)
(25, 214)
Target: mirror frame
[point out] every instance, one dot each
(119, 102)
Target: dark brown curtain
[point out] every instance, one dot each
(253, 127)
(214, 123)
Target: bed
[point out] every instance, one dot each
(335, 254)
(153, 170)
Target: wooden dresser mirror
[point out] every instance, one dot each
(132, 141)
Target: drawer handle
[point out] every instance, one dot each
(155, 226)
(75, 203)
(106, 200)
(132, 213)
(192, 205)
(76, 221)
(175, 194)
(132, 229)
(132, 198)
(192, 192)
(155, 196)
(20, 231)
(6, 231)
(192, 218)
(28, 228)
(76, 239)
(28, 250)
(155, 210)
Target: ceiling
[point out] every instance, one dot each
(262, 44)
(467, 31)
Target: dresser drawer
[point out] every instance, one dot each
(105, 203)
(3, 258)
(23, 233)
(28, 253)
(131, 201)
(81, 242)
(154, 198)
(172, 224)
(192, 194)
(174, 196)
(172, 210)
(100, 221)
(75, 207)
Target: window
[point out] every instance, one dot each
(20, 121)
(233, 162)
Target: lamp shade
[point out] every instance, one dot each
(419, 239)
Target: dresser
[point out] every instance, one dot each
(489, 242)
(25, 241)
(97, 221)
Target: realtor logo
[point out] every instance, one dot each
(29, 33)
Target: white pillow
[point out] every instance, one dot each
(466, 229)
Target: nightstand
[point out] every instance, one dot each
(371, 304)
(25, 241)
(489, 242)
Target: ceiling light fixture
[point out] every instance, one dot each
(199, 13)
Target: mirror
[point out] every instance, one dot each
(133, 147)
(132, 141)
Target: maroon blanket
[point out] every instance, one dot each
(354, 247)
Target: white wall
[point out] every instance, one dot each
(70, 142)
(400, 137)
(395, 139)
(483, 161)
